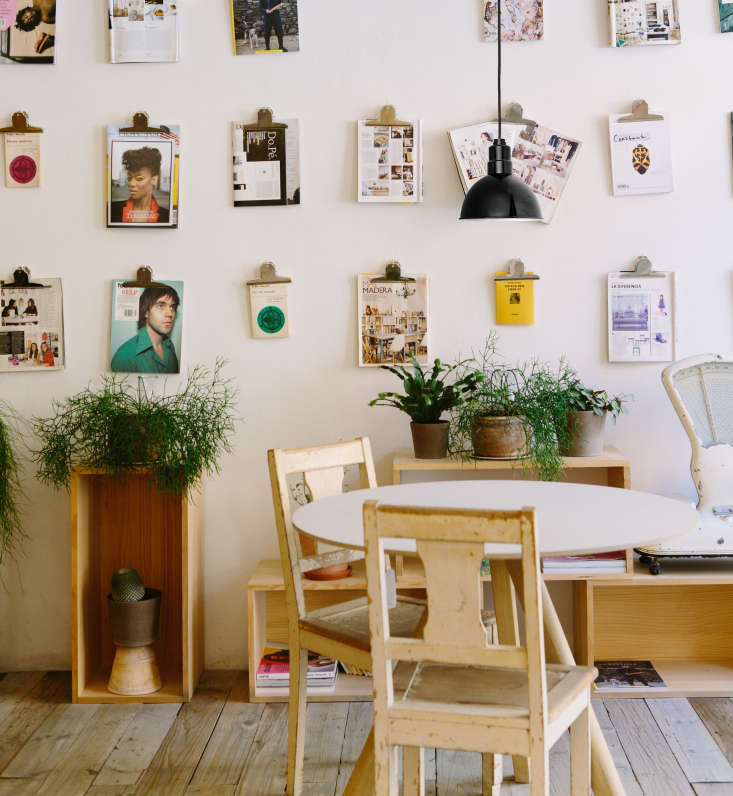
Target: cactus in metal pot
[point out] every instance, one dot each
(127, 586)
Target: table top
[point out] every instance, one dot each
(571, 518)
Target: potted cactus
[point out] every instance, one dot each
(427, 394)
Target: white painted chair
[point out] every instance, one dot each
(464, 693)
(396, 347)
(340, 631)
(701, 391)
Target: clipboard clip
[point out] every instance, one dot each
(393, 273)
(515, 115)
(269, 276)
(140, 125)
(22, 279)
(20, 124)
(642, 267)
(144, 279)
(264, 121)
(640, 113)
(387, 118)
(515, 273)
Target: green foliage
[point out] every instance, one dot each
(533, 391)
(119, 428)
(585, 399)
(426, 393)
(11, 530)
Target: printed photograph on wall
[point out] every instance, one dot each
(635, 22)
(28, 31)
(726, 15)
(641, 157)
(389, 162)
(521, 20)
(142, 171)
(22, 160)
(393, 321)
(32, 327)
(146, 330)
(143, 32)
(262, 27)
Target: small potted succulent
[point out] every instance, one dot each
(587, 418)
(427, 394)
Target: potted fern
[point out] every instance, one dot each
(427, 394)
(11, 530)
(121, 428)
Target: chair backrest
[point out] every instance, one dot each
(450, 543)
(397, 344)
(322, 468)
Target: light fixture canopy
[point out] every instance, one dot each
(500, 194)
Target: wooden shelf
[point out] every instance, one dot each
(118, 522)
(684, 678)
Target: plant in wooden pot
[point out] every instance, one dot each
(11, 530)
(120, 428)
(587, 418)
(427, 394)
(134, 612)
(518, 411)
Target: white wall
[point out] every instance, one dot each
(427, 58)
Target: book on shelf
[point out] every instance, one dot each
(349, 668)
(613, 675)
(614, 561)
(273, 670)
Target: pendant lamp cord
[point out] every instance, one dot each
(498, 57)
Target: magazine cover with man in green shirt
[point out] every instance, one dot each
(146, 328)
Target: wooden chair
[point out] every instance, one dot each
(465, 694)
(340, 631)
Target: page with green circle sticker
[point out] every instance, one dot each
(269, 310)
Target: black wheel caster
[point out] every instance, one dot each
(645, 559)
(655, 568)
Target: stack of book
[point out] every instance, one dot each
(274, 670)
(613, 675)
(598, 563)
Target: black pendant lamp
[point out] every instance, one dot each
(500, 194)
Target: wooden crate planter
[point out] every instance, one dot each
(119, 522)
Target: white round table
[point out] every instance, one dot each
(571, 519)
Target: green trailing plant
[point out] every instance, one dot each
(585, 399)
(121, 428)
(535, 392)
(11, 529)
(427, 393)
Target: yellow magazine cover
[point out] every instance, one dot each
(514, 301)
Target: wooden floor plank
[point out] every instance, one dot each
(713, 788)
(30, 712)
(688, 738)
(458, 772)
(137, 747)
(652, 761)
(174, 763)
(223, 761)
(324, 739)
(13, 687)
(358, 724)
(265, 770)
(625, 772)
(717, 716)
(85, 757)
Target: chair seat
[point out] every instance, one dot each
(484, 691)
(349, 621)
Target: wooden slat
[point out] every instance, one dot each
(358, 724)
(30, 712)
(265, 771)
(654, 765)
(626, 773)
(717, 716)
(175, 761)
(133, 753)
(227, 750)
(324, 738)
(692, 745)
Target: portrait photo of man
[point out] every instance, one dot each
(156, 344)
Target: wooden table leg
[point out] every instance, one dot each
(604, 777)
(505, 606)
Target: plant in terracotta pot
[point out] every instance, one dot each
(518, 411)
(587, 418)
(11, 530)
(121, 428)
(427, 394)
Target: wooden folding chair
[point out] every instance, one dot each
(340, 631)
(465, 694)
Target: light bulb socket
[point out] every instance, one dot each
(500, 159)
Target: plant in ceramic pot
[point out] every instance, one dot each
(518, 411)
(427, 394)
(121, 428)
(11, 530)
(587, 418)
